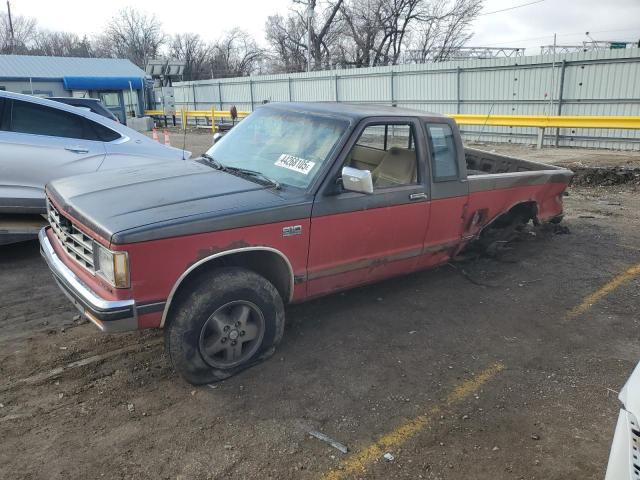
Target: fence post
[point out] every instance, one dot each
(220, 95)
(560, 95)
(251, 92)
(335, 87)
(289, 86)
(540, 137)
(195, 103)
(458, 89)
(393, 100)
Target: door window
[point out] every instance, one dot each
(110, 99)
(388, 152)
(3, 102)
(444, 158)
(27, 117)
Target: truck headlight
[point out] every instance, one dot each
(112, 266)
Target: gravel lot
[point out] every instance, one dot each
(474, 370)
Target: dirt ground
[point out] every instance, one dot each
(354, 366)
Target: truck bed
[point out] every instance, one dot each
(490, 171)
(481, 162)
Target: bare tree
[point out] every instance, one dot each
(364, 33)
(323, 28)
(235, 55)
(288, 36)
(444, 29)
(60, 44)
(24, 32)
(191, 49)
(382, 30)
(133, 35)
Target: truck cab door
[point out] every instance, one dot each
(358, 238)
(449, 193)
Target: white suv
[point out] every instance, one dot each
(41, 140)
(624, 459)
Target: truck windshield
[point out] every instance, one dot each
(288, 147)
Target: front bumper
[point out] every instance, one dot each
(108, 315)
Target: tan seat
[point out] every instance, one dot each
(398, 167)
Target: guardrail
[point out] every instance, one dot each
(208, 114)
(541, 122)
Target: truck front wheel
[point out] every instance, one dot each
(232, 319)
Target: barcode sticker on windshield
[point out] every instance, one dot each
(296, 164)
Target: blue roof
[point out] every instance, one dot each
(26, 66)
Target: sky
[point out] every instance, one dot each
(528, 26)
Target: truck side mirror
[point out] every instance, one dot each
(355, 180)
(216, 137)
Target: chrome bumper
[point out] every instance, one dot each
(108, 315)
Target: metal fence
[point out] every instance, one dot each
(586, 83)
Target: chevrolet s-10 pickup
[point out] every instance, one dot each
(296, 202)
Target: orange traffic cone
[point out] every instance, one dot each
(155, 135)
(166, 138)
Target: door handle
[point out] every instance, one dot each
(418, 196)
(77, 149)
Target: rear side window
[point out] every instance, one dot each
(444, 158)
(27, 117)
(101, 132)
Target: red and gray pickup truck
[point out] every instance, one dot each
(297, 201)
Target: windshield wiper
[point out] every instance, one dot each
(241, 171)
(216, 164)
(254, 174)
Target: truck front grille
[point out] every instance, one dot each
(77, 244)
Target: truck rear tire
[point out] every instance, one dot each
(231, 320)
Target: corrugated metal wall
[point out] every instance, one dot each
(41, 88)
(587, 83)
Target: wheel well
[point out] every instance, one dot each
(504, 228)
(524, 211)
(267, 263)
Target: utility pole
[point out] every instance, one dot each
(310, 6)
(13, 38)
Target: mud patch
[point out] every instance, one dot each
(604, 176)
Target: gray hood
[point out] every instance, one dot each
(170, 199)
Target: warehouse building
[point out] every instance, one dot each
(118, 83)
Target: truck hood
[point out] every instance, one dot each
(169, 199)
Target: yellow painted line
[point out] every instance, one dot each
(358, 462)
(606, 289)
